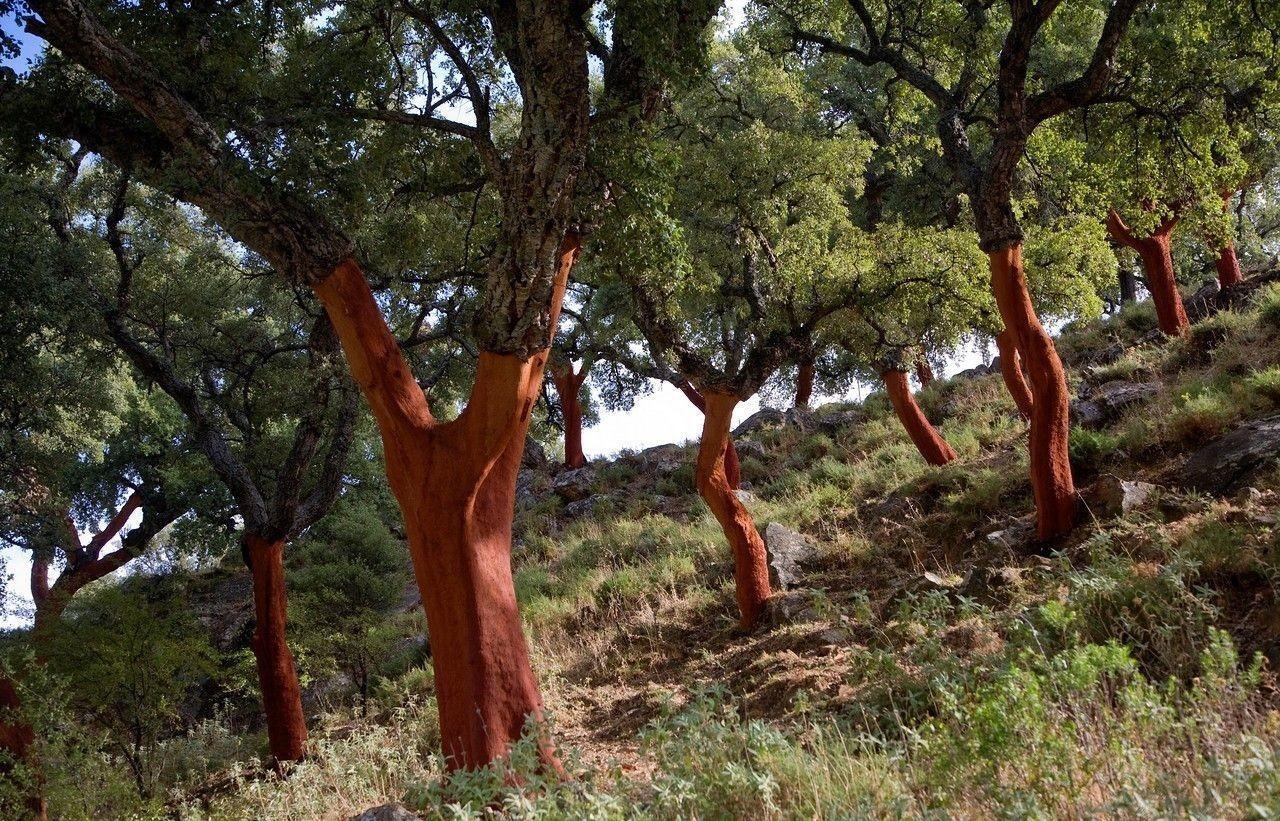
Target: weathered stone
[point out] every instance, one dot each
(526, 495)
(386, 812)
(582, 507)
(745, 496)
(839, 420)
(1122, 496)
(749, 447)
(572, 485)
(794, 607)
(787, 550)
(763, 418)
(989, 584)
(1107, 355)
(535, 456)
(1229, 461)
(1016, 535)
(662, 459)
(1087, 414)
(1204, 301)
(1106, 402)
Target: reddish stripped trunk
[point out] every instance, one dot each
(1051, 478)
(1227, 264)
(17, 741)
(1011, 369)
(750, 565)
(455, 483)
(732, 467)
(804, 384)
(1157, 264)
(277, 675)
(928, 441)
(569, 389)
(924, 371)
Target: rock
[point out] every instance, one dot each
(1204, 301)
(1087, 414)
(1107, 355)
(663, 459)
(763, 418)
(535, 456)
(526, 495)
(979, 370)
(787, 550)
(1229, 461)
(745, 496)
(386, 812)
(1122, 496)
(1109, 400)
(572, 485)
(838, 420)
(794, 607)
(1018, 534)
(582, 507)
(833, 637)
(749, 447)
(989, 585)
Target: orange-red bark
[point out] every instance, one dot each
(804, 384)
(1157, 264)
(750, 562)
(928, 441)
(1015, 381)
(17, 741)
(1227, 264)
(455, 483)
(277, 675)
(924, 371)
(732, 467)
(569, 389)
(1051, 478)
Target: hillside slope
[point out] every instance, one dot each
(928, 654)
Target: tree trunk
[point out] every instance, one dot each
(17, 744)
(455, 483)
(1157, 265)
(277, 676)
(1228, 266)
(924, 371)
(1051, 479)
(750, 565)
(928, 441)
(804, 385)
(732, 467)
(1011, 369)
(568, 388)
(1128, 285)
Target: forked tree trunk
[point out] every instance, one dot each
(1157, 265)
(928, 441)
(1051, 479)
(924, 371)
(569, 389)
(1128, 285)
(455, 483)
(277, 675)
(1015, 381)
(732, 467)
(804, 384)
(17, 743)
(750, 562)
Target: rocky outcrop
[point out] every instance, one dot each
(1229, 461)
(1121, 496)
(573, 485)
(1106, 402)
(787, 551)
(386, 812)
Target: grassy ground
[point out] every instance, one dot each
(1128, 672)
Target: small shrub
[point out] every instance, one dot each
(1201, 416)
(1268, 306)
(1089, 447)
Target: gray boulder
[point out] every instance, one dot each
(1122, 496)
(787, 550)
(1229, 461)
(838, 420)
(572, 485)
(535, 455)
(662, 459)
(1204, 301)
(1106, 402)
(763, 418)
(582, 507)
(386, 812)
